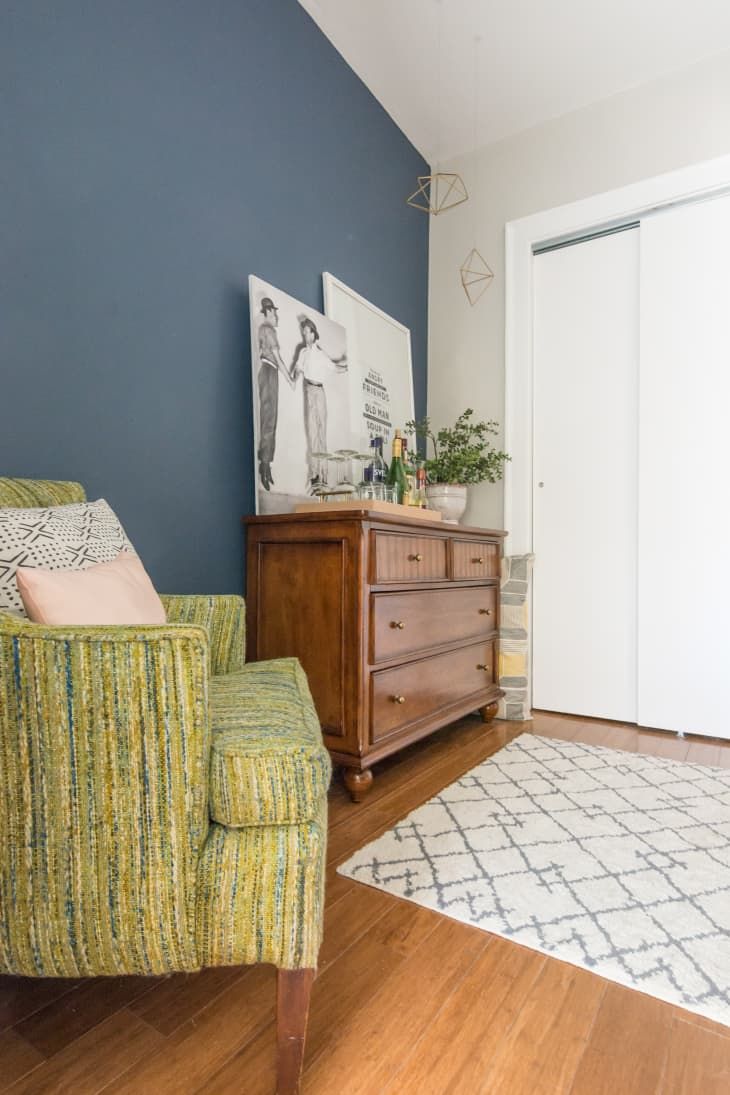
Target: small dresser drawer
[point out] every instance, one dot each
(474, 559)
(403, 695)
(409, 558)
(407, 623)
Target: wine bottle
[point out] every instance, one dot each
(396, 471)
(419, 498)
(409, 469)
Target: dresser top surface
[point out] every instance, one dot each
(372, 520)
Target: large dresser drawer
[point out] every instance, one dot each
(410, 692)
(474, 559)
(419, 620)
(409, 558)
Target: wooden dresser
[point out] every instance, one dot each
(395, 620)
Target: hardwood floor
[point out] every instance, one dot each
(407, 1002)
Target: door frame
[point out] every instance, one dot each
(521, 236)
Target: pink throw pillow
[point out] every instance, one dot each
(119, 592)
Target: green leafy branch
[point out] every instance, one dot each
(463, 452)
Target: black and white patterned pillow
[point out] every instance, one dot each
(71, 537)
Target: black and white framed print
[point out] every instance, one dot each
(302, 397)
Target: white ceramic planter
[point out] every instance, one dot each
(449, 499)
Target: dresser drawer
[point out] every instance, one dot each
(410, 692)
(409, 558)
(474, 559)
(406, 623)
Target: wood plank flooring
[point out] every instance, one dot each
(406, 1002)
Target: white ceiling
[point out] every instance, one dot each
(537, 59)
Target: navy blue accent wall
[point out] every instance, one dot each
(153, 153)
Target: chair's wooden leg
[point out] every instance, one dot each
(293, 990)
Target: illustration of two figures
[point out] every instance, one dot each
(310, 362)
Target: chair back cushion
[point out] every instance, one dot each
(104, 752)
(30, 493)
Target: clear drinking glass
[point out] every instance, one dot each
(363, 458)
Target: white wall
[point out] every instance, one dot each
(640, 133)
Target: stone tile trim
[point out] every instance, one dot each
(514, 637)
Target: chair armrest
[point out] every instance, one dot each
(224, 618)
(151, 680)
(104, 751)
(268, 763)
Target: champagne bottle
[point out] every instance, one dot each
(396, 471)
(408, 466)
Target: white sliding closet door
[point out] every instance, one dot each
(585, 359)
(684, 470)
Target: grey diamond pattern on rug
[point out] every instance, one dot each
(617, 862)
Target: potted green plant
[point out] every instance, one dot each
(462, 454)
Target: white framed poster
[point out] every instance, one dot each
(380, 366)
(302, 396)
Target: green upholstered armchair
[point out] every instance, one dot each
(163, 804)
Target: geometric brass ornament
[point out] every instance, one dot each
(476, 277)
(438, 192)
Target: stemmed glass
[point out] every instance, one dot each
(363, 459)
(321, 488)
(337, 490)
(345, 483)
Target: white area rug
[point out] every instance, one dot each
(617, 862)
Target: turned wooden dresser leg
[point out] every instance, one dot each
(489, 711)
(358, 783)
(293, 990)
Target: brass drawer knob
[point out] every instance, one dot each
(485, 612)
(397, 699)
(397, 624)
(486, 668)
(416, 558)
(480, 560)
